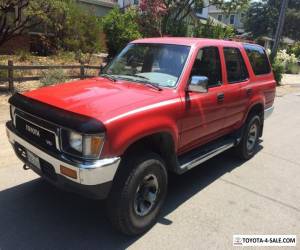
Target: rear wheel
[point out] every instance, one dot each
(138, 193)
(248, 145)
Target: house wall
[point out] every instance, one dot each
(203, 13)
(99, 8)
(126, 3)
(214, 12)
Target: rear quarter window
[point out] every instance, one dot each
(258, 59)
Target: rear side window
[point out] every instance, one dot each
(235, 65)
(258, 59)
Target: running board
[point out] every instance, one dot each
(195, 158)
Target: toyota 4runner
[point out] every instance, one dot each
(162, 105)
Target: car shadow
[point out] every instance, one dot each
(36, 215)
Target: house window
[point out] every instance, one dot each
(200, 11)
(231, 19)
(220, 17)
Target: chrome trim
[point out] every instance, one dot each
(268, 112)
(89, 173)
(205, 157)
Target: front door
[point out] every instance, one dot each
(203, 119)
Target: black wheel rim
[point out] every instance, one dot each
(146, 195)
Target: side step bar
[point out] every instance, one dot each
(195, 158)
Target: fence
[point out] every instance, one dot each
(10, 68)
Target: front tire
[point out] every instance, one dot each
(249, 142)
(138, 193)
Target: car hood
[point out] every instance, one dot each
(98, 97)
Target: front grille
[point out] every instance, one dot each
(30, 129)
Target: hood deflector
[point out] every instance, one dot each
(80, 123)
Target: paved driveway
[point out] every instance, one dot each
(205, 207)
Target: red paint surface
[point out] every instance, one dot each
(131, 111)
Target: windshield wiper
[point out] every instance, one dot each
(147, 82)
(153, 85)
(110, 77)
(143, 77)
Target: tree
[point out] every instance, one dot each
(74, 28)
(170, 15)
(212, 30)
(120, 28)
(150, 18)
(262, 17)
(29, 13)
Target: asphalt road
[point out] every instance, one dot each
(205, 207)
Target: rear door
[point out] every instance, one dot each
(237, 91)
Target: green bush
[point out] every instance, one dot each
(120, 28)
(278, 69)
(292, 68)
(295, 49)
(53, 76)
(75, 28)
(212, 30)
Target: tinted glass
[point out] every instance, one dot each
(208, 64)
(157, 63)
(235, 65)
(258, 59)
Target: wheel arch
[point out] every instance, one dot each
(161, 143)
(256, 108)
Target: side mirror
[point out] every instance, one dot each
(198, 84)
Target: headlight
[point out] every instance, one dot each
(75, 141)
(87, 146)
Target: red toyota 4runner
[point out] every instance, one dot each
(162, 105)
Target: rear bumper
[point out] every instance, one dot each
(268, 112)
(93, 179)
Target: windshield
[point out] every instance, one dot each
(159, 64)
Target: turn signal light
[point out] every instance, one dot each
(68, 172)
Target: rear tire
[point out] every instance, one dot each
(248, 145)
(138, 193)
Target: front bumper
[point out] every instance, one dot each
(93, 179)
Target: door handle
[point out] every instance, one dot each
(220, 97)
(249, 92)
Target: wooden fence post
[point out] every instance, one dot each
(81, 70)
(10, 75)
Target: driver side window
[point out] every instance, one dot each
(208, 63)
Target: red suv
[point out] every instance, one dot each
(162, 105)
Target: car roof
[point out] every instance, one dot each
(188, 41)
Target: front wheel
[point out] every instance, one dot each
(248, 145)
(137, 197)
